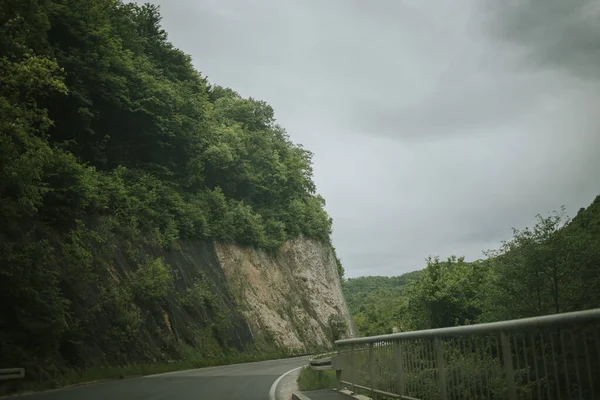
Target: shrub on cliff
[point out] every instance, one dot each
(337, 327)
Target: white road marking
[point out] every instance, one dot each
(274, 385)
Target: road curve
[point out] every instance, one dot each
(250, 381)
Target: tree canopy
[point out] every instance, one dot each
(101, 114)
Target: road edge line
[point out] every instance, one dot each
(273, 389)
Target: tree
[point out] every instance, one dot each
(545, 269)
(527, 273)
(447, 295)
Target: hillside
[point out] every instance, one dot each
(376, 302)
(127, 179)
(587, 220)
(549, 268)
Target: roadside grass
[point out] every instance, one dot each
(310, 379)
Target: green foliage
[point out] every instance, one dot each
(153, 281)
(338, 262)
(549, 268)
(310, 379)
(126, 313)
(245, 226)
(114, 151)
(198, 295)
(446, 295)
(377, 303)
(133, 104)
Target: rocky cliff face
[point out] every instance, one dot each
(288, 295)
(198, 303)
(246, 296)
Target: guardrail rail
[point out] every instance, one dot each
(12, 373)
(549, 357)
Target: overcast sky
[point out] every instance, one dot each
(436, 126)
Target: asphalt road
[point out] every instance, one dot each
(250, 381)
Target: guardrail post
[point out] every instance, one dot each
(352, 368)
(399, 369)
(372, 369)
(441, 367)
(336, 364)
(508, 366)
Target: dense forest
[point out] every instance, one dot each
(110, 138)
(552, 267)
(376, 302)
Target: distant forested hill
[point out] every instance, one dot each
(552, 267)
(376, 302)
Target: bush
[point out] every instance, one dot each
(152, 281)
(310, 379)
(337, 327)
(199, 295)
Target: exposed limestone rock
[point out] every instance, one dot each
(290, 294)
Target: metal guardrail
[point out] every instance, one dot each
(549, 357)
(12, 373)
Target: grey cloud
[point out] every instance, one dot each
(557, 33)
(467, 105)
(435, 126)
